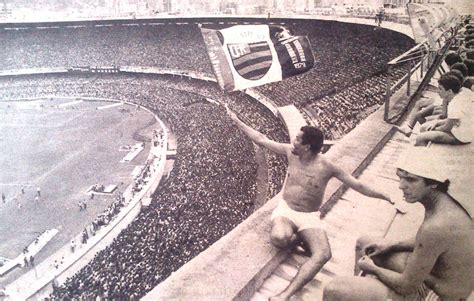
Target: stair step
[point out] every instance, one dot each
(286, 271)
(275, 283)
(259, 297)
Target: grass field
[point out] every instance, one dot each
(63, 149)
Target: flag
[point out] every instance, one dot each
(245, 56)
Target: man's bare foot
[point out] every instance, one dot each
(405, 129)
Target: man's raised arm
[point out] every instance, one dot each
(359, 186)
(257, 137)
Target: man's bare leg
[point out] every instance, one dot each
(356, 289)
(436, 137)
(283, 233)
(395, 261)
(317, 242)
(422, 108)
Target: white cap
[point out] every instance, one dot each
(423, 162)
(441, 163)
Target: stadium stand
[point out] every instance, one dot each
(212, 186)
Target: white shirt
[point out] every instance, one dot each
(460, 109)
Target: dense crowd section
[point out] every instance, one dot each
(211, 189)
(344, 56)
(349, 76)
(338, 113)
(350, 61)
(167, 46)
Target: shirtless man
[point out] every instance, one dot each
(436, 264)
(297, 217)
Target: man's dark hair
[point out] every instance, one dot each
(456, 73)
(470, 44)
(461, 67)
(470, 54)
(468, 84)
(440, 186)
(470, 66)
(468, 38)
(312, 136)
(452, 58)
(450, 82)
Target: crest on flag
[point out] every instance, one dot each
(251, 60)
(244, 56)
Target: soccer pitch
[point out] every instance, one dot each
(62, 146)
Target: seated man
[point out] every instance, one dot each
(297, 216)
(436, 264)
(457, 127)
(429, 109)
(423, 108)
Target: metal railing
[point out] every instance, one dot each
(423, 58)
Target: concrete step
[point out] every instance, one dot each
(286, 271)
(275, 284)
(259, 297)
(336, 232)
(383, 172)
(266, 293)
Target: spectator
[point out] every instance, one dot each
(456, 128)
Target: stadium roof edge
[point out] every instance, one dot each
(402, 28)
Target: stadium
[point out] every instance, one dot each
(107, 85)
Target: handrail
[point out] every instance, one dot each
(409, 51)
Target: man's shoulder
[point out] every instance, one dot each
(442, 225)
(434, 235)
(324, 164)
(328, 162)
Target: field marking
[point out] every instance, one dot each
(69, 103)
(72, 155)
(110, 106)
(42, 125)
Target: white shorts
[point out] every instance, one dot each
(302, 220)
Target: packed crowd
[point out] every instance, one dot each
(108, 214)
(211, 189)
(167, 46)
(361, 52)
(339, 113)
(344, 56)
